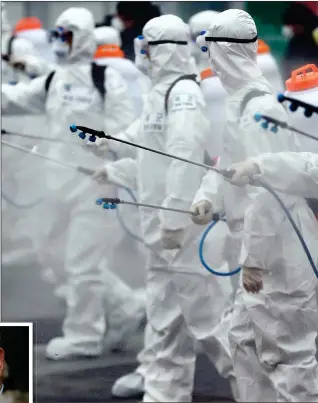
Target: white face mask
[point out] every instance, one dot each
(287, 32)
(61, 49)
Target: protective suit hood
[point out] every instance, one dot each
(201, 21)
(234, 63)
(168, 60)
(81, 22)
(107, 36)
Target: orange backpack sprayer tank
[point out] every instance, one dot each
(269, 67)
(303, 86)
(103, 52)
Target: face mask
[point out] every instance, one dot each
(287, 32)
(61, 49)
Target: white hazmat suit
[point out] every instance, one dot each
(90, 234)
(292, 173)
(17, 170)
(109, 53)
(265, 362)
(176, 320)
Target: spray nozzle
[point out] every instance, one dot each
(295, 103)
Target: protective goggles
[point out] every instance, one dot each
(144, 44)
(62, 34)
(204, 38)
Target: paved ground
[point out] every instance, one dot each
(26, 297)
(91, 380)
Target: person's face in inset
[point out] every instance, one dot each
(2, 365)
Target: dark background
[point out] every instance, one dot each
(15, 342)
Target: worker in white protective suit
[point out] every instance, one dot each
(270, 70)
(12, 46)
(74, 94)
(109, 53)
(175, 321)
(265, 328)
(17, 169)
(213, 91)
(31, 29)
(282, 277)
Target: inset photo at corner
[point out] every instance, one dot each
(16, 362)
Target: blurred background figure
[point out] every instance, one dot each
(130, 21)
(31, 28)
(301, 26)
(269, 66)
(197, 23)
(17, 169)
(109, 53)
(12, 46)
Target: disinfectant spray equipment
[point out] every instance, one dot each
(31, 137)
(94, 134)
(83, 170)
(302, 96)
(309, 111)
(107, 203)
(267, 120)
(302, 90)
(29, 205)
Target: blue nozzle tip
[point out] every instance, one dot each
(73, 128)
(293, 107)
(143, 52)
(280, 97)
(308, 113)
(141, 37)
(106, 206)
(264, 125)
(257, 117)
(274, 129)
(99, 202)
(113, 206)
(82, 135)
(92, 139)
(204, 49)
(202, 32)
